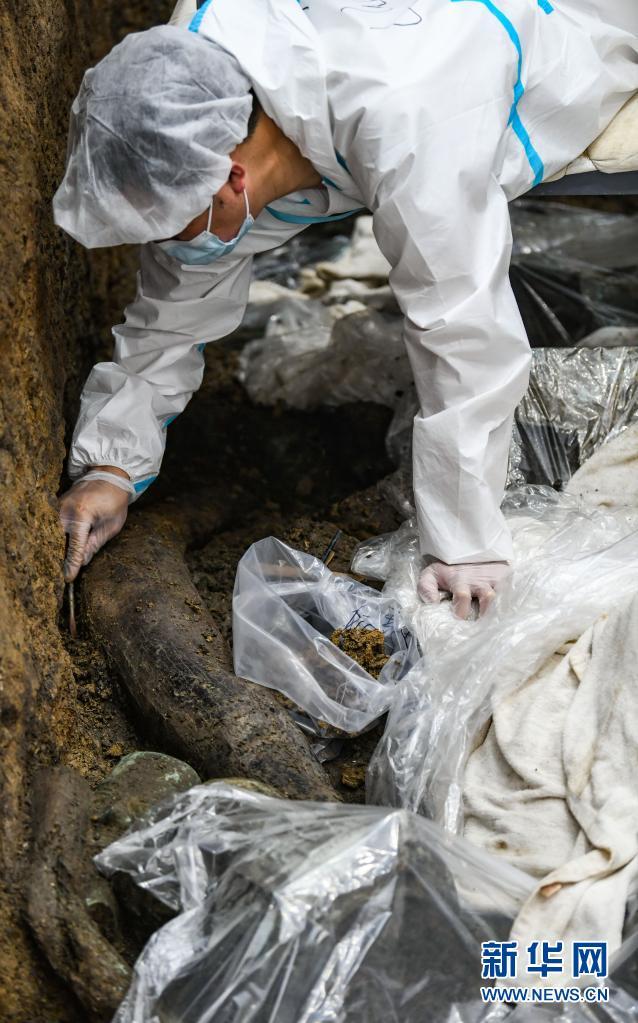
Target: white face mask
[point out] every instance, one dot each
(206, 247)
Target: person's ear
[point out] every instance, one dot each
(237, 178)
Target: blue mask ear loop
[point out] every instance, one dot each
(210, 211)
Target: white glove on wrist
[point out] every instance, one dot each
(464, 582)
(108, 477)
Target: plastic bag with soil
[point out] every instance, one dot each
(300, 911)
(335, 647)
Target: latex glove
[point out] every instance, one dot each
(92, 512)
(464, 582)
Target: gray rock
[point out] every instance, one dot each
(140, 781)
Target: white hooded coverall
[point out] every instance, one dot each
(433, 115)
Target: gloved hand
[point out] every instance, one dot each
(464, 582)
(92, 512)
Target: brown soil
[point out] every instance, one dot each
(348, 770)
(100, 729)
(214, 566)
(56, 305)
(353, 775)
(365, 646)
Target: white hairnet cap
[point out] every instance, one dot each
(150, 133)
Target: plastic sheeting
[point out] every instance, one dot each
(286, 605)
(574, 271)
(577, 399)
(293, 912)
(313, 354)
(284, 264)
(570, 565)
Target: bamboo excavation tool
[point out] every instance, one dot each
(73, 629)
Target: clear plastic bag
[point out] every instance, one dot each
(286, 605)
(331, 355)
(293, 912)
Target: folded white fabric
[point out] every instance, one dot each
(613, 152)
(362, 260)
(616, 149)
(553, 787)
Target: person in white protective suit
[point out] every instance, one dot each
(433, 114)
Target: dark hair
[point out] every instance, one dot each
(254, 114)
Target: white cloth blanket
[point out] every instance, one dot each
(553, 787)
(609, 479)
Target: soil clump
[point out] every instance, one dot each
(365, 646)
